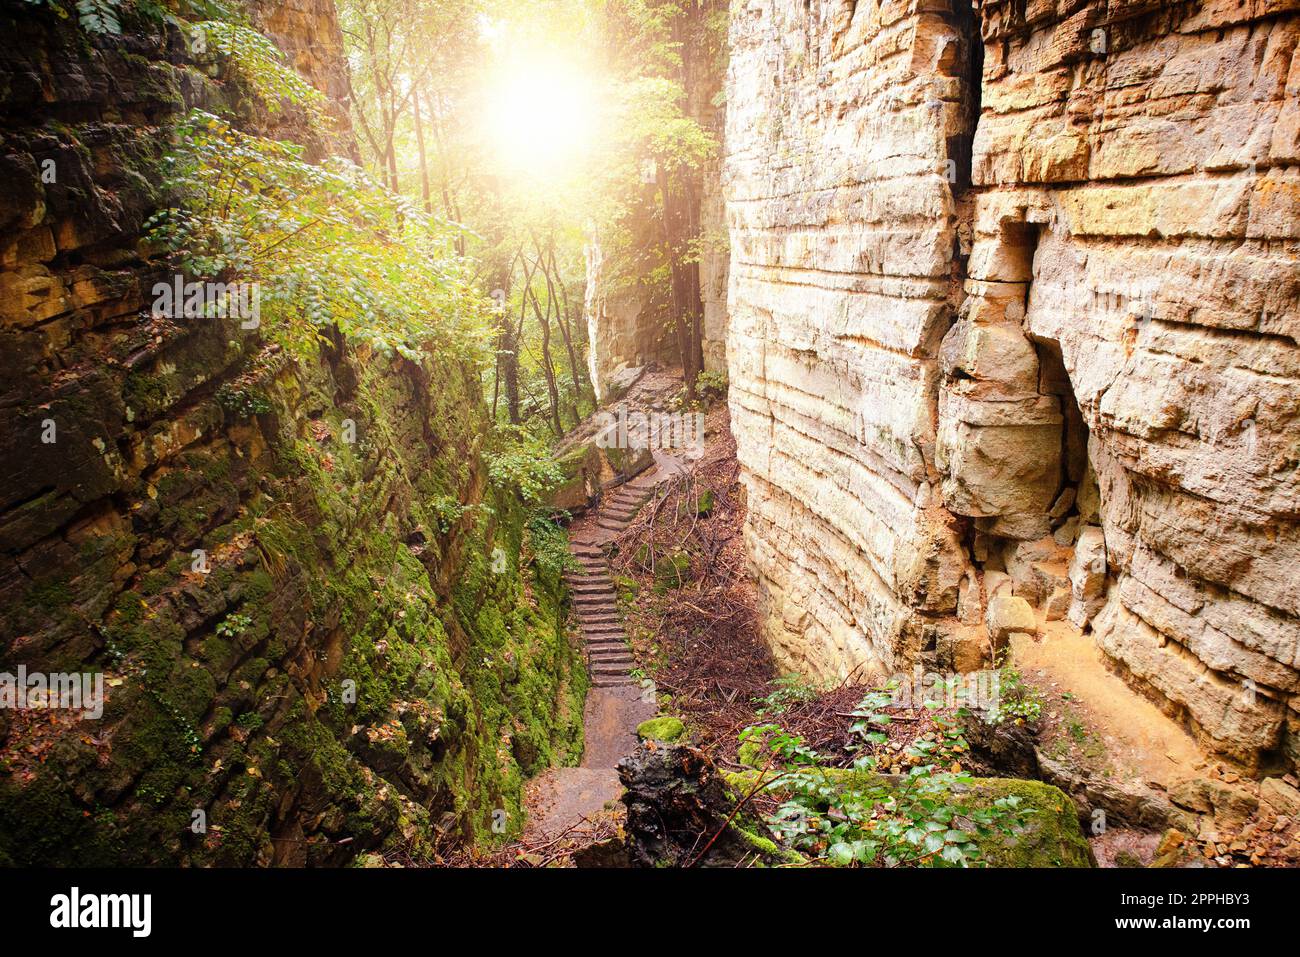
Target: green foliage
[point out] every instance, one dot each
(330, 248)
(522, 463)
(788, 690)
(261, 64)
(711, 384)
(550, 546)
(95, 16)
(1016, 700)
(447, 512)
(242, 403)
(234, 625)
(927, 818)
(104, 17)
(100, 16)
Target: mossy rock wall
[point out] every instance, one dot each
(308, 645)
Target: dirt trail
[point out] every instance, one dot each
(567, 802)
(1114, 726)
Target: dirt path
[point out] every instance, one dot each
(569, 802)
(1093, 711)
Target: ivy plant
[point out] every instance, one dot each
(926, 818)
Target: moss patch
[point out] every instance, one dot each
(663, 728)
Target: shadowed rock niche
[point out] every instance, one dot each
(1012, 453)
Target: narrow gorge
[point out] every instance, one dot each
(640, 407)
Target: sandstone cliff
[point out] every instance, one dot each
(1014, 313)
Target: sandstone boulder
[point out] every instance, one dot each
(1282, 797)
(1088, 576)
(1008, 615)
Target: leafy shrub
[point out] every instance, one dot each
(522, 463)
(234, 626)
(550, 544)
(1016, 700)
(329, 247)
(787, 690)
(711, 384)
(862, 817)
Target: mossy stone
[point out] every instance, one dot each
(1051, 837)
(663, 728)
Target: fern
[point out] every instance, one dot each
(100, 16)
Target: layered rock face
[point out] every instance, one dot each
(624, 319)
(284, 571)
(1065, 378)
(840, 125)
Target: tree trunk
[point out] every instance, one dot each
(424, 159)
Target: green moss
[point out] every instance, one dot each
(750, 831)
(1051, 838)
(663, 728)
(672, 571)
(466, 681)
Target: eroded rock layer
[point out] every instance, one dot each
(843, 233)
(1047, 368)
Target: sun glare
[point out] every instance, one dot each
(542, 117)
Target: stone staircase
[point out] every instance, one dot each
(609, 659)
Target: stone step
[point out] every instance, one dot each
(607, 682)
(609, 670)
(608, 649)
(592, 586)
(604, 633)
(620, 659)
(623, 660)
